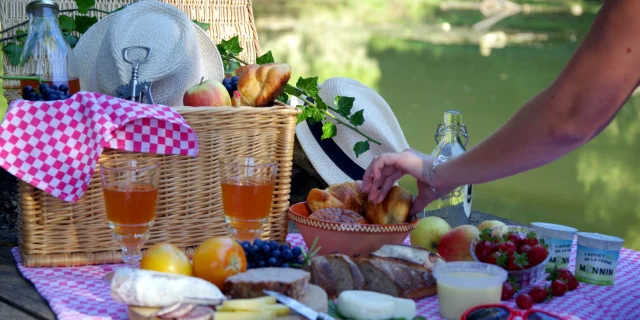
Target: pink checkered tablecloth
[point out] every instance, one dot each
(80, 293)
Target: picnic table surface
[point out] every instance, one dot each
(19, 299)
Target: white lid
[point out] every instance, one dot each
(600, 241)
(445, 274)
(554, 230)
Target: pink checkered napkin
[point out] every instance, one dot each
(55, 145)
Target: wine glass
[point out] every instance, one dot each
(130, 189)
(247, 193)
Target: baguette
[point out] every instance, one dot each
(397, 277)
(322, 276)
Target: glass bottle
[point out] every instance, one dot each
(455, 208)
(46, 53)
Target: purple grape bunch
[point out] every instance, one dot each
(261, 254)
(45, 92)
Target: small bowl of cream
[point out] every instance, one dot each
(597, 258)
(463, 285)
(560, 240)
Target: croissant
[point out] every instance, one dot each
(260, 85)
(349, 196)
(346, 195)
(393, 209)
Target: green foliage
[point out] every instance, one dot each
(315, 109)
(204, 26)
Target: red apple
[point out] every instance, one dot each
(455, 244)
(207, 93)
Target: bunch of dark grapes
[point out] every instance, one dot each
(231, 84)
(45, 92)
(261, 254)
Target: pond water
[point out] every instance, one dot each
(424, 60)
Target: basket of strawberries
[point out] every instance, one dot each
(515, 248)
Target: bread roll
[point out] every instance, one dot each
(394, 209)
(346, 195)
(338, 215)
(260, 85)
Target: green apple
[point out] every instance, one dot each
(429, 232)
(490, 224)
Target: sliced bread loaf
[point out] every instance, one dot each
(250, 284)
(346, 272)
(322, 275)
(397, 277)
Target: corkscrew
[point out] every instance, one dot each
(136, 91)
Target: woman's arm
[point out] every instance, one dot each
(584, 98)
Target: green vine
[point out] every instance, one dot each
(306, 89)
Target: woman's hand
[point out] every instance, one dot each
(387, 168)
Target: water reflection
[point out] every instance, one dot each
(423, 60)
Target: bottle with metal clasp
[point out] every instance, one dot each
(455, 207)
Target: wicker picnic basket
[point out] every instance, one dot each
(56, 233)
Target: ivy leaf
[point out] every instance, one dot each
(116, 10)
(84, 5)
(292, 90)
(67, 24)
(23, 39)
(329, 130)
(204, 26)
(13, 52)
(308, 85)
(231, 66)
(71, 40)
(357, 119)
(361, 147)
(265, 58)
(304, 115)
(315, 115)
(320, 104)
(230, 46)
(83, 23)
(344, 105)
(283, 97)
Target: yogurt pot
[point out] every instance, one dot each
(463, 285)
(597, 258)
(560, 240)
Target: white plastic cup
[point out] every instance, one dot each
(597, 258)
(560, 240)
(464, 285)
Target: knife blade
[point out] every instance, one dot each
(298, 307)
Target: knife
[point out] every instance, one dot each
(299, 307)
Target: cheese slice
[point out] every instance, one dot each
(369, 305)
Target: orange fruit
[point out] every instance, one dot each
(217, 259)
(165, 257)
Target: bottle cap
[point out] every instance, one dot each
(33, 5)
(452, 117)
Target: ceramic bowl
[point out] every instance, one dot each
(526, 277)
(347, 238)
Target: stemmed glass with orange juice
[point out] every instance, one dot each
(247, 193)
(130, 189)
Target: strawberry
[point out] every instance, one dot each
(530, 239)
(507, 248)
(538, 293)
(484, 249)
(525, 248)
(514, 238)
(573, 284)
(517, 262)
(524, 301)
(487, 235)
(558, 288)
(536, 255)
(562, 274)
(507, 291)
(493, 258)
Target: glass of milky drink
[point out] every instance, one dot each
(130, 189)
(463, 285)
(247, 185)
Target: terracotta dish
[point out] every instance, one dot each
(347, 238)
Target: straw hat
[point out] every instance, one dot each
(334, 159)
(181, 52)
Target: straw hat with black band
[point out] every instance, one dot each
(181, 52)
(334, 159)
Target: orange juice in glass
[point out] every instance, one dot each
(130, 189)
(247, 193)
